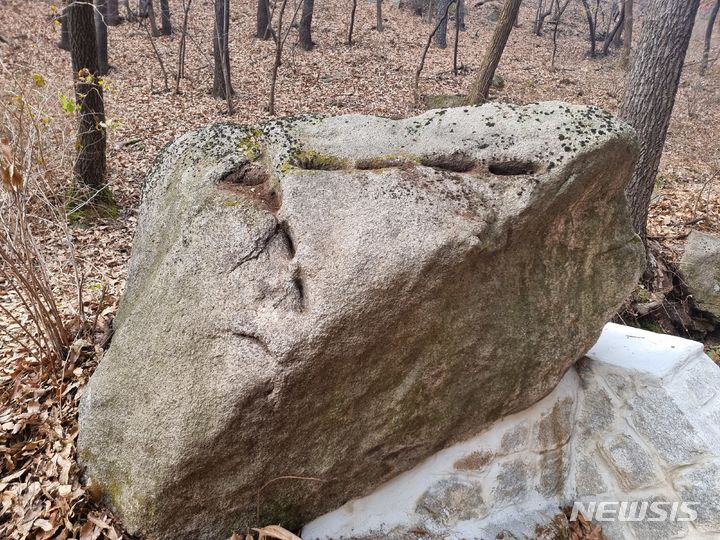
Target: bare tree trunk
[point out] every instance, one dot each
(90, 166)
(278, 57)
(262, 26)
(617, 39)
(150, 14)
(226, 60)
(421, 65)
(112, 18)
(460, 13)
(183, 42)
(352, 22)
(306, 41)
(221, 52)
(441, 33)
(456, 44)
(559, 10)
(64, 42)
(144, 24)
(100, 13)
(480, 88)
(592, 22)
(129, 15)
(165, 22)
(628, 34)
(650, 93)
(540, 16)
(610, 36)
(378, 16)
(608, 23)
(708, 38)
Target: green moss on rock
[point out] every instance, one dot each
(85, 205)
(385, 161)
(316, 161)
(251, 144)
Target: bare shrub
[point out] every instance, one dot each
(36, 152)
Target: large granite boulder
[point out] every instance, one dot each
(635, 422)
(491, 11)
(700, 267)
(339, 298)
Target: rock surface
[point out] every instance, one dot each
(491, 10)
(339, 298)
(652, 436)
(700, 267)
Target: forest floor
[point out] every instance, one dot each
(41, 492)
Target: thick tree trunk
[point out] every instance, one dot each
(64, 42)
(441, 34)
(627, 34)
(150, 14)
(165, 23)
(112, 17)
(306, 41)
(650, 93)
(101, 36)
(708, 38)
(592, 22)
(480, 88)
(262, 29)
(221, 51)
(617, 38)
(90, 165)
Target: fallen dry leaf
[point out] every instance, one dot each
(275, 531)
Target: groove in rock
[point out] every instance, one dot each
(299, 286)
(513, 168)
(284, 229)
